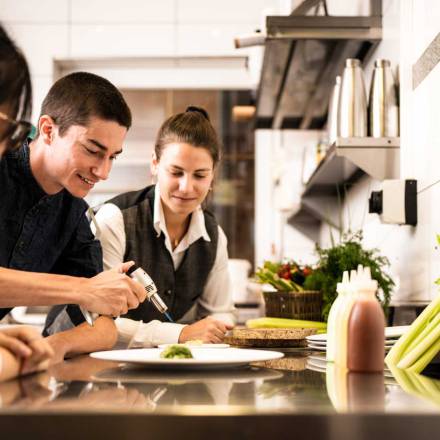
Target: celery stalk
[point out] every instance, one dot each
(424, 333)
(405, 340)
(410, 357)
(426, 358)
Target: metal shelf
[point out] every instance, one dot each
(378, 157)
(347, 160)
(306, 222)
(303, 55)
(331, 173)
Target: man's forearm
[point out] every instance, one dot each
(20, 288)
(84, 338)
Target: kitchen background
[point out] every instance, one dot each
(165, 54)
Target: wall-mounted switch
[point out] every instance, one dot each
(396, 202)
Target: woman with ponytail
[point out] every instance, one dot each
(166, 231)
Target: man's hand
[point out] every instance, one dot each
(27, 344)
(112, 292)
(208, 330)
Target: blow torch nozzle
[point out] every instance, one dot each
(139, 274)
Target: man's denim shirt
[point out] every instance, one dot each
(41, 232)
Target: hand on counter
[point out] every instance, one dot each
(111, 292)
(26, 351)
(208, 330)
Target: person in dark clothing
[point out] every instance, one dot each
(22, 349)
(43, 228)
(110, 293)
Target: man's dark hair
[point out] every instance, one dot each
(15, 81)
(80, 96)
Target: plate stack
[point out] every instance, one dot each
(317, 362)
(392, 334)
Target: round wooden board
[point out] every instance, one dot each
(269, 337)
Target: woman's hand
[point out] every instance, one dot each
(208, 330)
(27, 344)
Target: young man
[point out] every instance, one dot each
(109, 293)
(43, 228)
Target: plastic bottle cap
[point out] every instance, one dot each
(343, 285)
(352, 62)
(382, 63)
(353, 276)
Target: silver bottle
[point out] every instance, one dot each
(383, 103)
(332, 124)
(352, 108)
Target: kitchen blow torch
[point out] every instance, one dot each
(138, 274)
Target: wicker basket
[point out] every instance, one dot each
(294, 305)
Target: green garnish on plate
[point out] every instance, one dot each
(176, 351)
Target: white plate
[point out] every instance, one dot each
(323, 345)
(318, 360)
(192, 346)
(320, 343)
(203, 358)
(317, 347)
(396, 332)
(391, 333)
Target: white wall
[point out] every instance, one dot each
(72, 29)
(412, 251)
(137, 44)
(286, 157)
(408, 28)
(279, 174)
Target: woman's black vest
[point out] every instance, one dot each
(179, 289)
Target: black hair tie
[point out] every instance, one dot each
(193, 108)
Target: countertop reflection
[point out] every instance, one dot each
(92, 399)
(294, 384)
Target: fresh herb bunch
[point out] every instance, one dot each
(286, 276)
(347, 255)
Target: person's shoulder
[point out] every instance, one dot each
(221, 234)
(74, 204)
(108, 212)
(212, 227)
(209, 215)
(129, 199)
(10, 160)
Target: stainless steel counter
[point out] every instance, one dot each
(86, 398)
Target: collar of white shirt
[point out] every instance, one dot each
(197, 227)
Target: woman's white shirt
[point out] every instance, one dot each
(215, 300)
